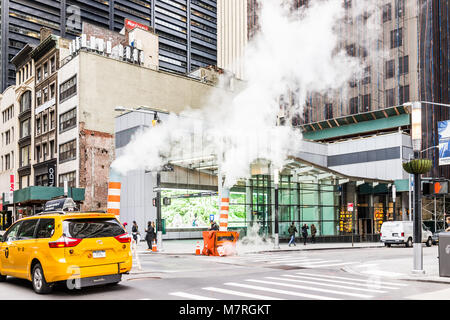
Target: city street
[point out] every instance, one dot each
(349, 274)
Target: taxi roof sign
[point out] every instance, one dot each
(64, 204)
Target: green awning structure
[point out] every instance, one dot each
(38, 194)
(355, 124)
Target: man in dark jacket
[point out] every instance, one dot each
(149, 235)
(292, 230)
(214, 226)
(305, 233)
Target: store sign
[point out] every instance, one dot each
(11, 188)
(350, 207)
(130, 24)
(51, 175)
(444, 142)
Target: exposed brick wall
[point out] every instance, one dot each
(96, 156)
(103, 33)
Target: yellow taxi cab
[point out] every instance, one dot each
(80, 248)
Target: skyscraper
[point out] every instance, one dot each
(186, 28)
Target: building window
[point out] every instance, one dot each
(38, 126)
(399, 8)
(24, 156)
(8, 113)
(42, 180)
(68, 89)
(366, 77)
(7, 162)
(70, 177)
(396, 38)
(25, 101)
(366, 103)
(52, 91)
(68, 120)
(52, 120)
(390, 98)
(403, 94)
(328, 111)
(45, 70)
(387, 12)
(39, 74)
(68, 151)
(45, 151)
(44, 123)
(53, 64)
(38, 154)
(403, 64)
(25, 128)
(351, 50)
(38, 98)
(390, 69)
(353, 105)
(7, 137)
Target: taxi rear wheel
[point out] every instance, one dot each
(39, 284)
(2, 278)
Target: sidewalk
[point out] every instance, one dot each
(188, 247)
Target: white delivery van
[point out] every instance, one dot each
(401, 232)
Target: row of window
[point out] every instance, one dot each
(7, 161)
(45, 94)
(8, 113)
(7, 137)
(43, 180)
(399, 10)
(46, 70)
(45, 122)
(24, 73)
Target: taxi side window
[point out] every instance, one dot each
(46, 228)
(11, 234)
(26, 230)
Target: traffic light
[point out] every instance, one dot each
(440, 187)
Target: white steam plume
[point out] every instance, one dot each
(294, 51)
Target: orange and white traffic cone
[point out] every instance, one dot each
(154, 247)
(197, 248)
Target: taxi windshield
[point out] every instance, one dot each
(92, 228)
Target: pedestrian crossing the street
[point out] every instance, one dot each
(298, 285)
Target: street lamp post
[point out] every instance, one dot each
(276, 179)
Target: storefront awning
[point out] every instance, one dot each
(39, 194)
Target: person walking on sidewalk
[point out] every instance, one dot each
(305, 233)
(154, 231)
(313, 233)
(149, 235)
(292, 230)
(135, 231)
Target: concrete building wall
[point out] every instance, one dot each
(106, 83)
(7, 101)
(377, 157)
(231, 35)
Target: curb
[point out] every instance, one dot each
(271, 250)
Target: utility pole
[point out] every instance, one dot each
(417, 225)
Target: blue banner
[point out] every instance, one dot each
(444, 142)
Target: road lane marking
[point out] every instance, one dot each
(314, 262)
(191, 296)
(292, 293)
(242, 294)
(359, 295)
(276, 258)
(382, 273)
(368, 284)
(352, 279)
(294, 260)
(326, 265)
(327, 284)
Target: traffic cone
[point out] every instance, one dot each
(197, 248)
(154, 247)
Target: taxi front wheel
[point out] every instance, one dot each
(39, 284)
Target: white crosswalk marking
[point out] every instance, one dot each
(292, 293)
(313, 262)
(353, 279)
(191, 296)
(327, 264)
(242, 294)
(348, 282)
(326, 284)
(358, 295)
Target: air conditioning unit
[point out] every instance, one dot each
(141, 57)
(108, 47)
(83, 41)
(135, 55)
(100, 45)
(120, 51)
(128, 53)
(93, 43)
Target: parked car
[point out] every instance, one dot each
(79, 248)
(435, 236)
(401, 232)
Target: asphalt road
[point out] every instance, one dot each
(323, 274)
